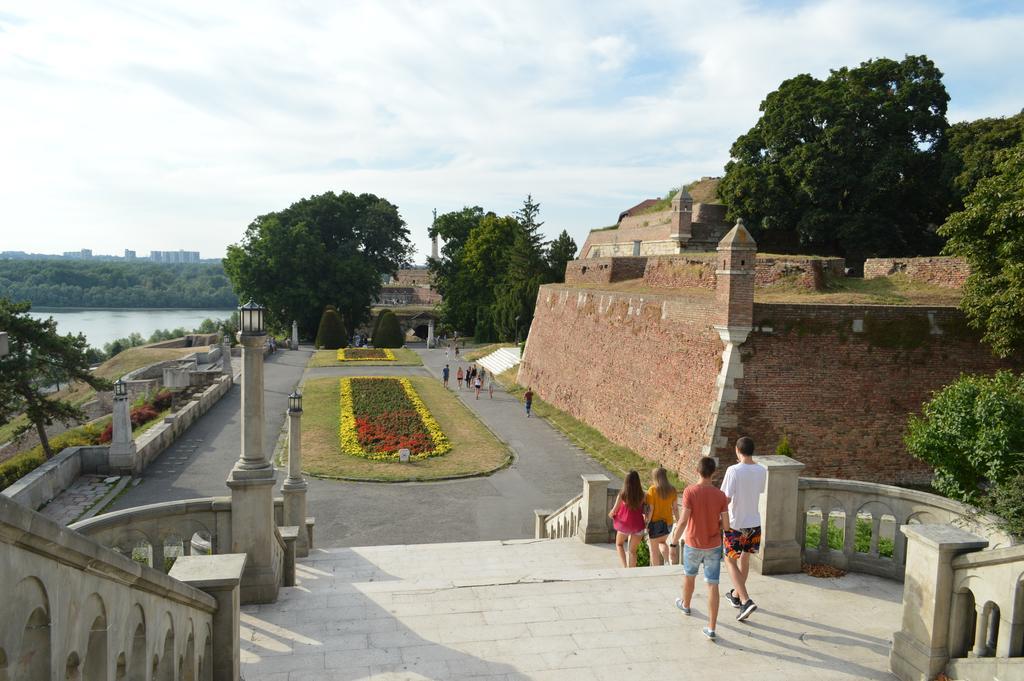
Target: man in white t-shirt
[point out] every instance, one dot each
(743, 484)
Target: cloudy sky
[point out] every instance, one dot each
(147, 125)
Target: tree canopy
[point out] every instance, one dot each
(39, 357)
(329, 249)
(77, 283)
(989, 234)
(973, 150)
(850, 165)
(491, 267)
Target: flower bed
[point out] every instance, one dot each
(381, 415)
(365, 355)
(150, 408)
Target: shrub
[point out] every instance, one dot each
(162, 400)
(331, 334)
(1006, 500)
(972, 433)
(389, 332)
(784, 448)
(376, 323)
(643, 555)
(142, 415)
(20, 465)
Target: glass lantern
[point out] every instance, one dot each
(250, 318)
(295, 401)
(120, 388)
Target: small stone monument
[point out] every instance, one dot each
(403, 455)
(122, 444)
(295, 334)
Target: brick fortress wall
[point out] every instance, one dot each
(640, 369)
(840, 381)
(946, 272)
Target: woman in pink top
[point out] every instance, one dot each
(628, 518)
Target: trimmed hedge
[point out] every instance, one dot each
(331, 334)
(22, 464)
(389, 331)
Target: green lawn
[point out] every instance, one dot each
(329, 358)
(616, 458)
(475, 450)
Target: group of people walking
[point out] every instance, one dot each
(715, 523)
(473, 378)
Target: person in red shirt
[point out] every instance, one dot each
(705, 517)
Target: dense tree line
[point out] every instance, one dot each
(490, 269)
(860, 164)
(55, 283)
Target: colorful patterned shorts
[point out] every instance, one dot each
(738, 542)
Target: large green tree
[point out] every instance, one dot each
(39, 357)
(559, 253)
(989, 234)
(329, 249)
(850, 165)
(973, 150)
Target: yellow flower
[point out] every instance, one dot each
(349, 437)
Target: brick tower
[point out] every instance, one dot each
(734, 291)
(734, 317)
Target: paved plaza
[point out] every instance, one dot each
(554, 609)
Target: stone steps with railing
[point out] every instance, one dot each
(500, 360)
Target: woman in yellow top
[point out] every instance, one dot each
(662, 515)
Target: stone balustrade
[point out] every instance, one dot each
(155, 533)
(77, 610)
(584, 516)
(864, 518)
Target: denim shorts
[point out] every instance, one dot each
(711, 558)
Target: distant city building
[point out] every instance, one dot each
(129, 254)
(84, 253)
(174, 257)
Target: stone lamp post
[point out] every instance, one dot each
(251, 480)
(225, 358)
(122, 445)
(294, 487)
(295, 334)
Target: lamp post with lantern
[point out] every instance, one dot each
(294, 487)
(251, 480)
(122, 445)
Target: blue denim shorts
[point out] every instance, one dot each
(711, 558)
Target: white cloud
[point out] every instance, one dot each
(172, 127)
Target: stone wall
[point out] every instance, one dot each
(660, 219)
(56, 475)
(710, 213)
(605, 270)
(841, 380)
(806, 272)
(158, 438)
(641, 369)
(681, 271)
(939, 271)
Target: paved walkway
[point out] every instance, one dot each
(198, 463)
(558, 610)
(84, 493)
(545, 474)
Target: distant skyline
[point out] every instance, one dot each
(166, 126)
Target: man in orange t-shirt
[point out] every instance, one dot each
(705, 516)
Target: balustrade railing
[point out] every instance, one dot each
(854, 525)
(77, 610)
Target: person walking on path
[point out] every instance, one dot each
(743, 484)
(528, 397)
(628, 519)
(444, 375)
(490, 384)
(458, 377)
(661, 500)
(705, 516)
(477, 385)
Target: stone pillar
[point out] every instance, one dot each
(594, 526)
(540, 519)
(252, 482)
(920, 649)
(218, 576)
(431, 341)
(225, 358)
(122, 458)
(294, 487)
(983, 615)
(682, 219)
(295, 334)
(780, 517)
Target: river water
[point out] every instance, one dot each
(103, 326)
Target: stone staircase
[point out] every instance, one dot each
(500, 360)
(553, 609)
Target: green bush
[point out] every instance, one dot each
(389, 332)
(376, 323)
(972, 434)
(1006, 500)
(861, 538)
(22, 464)
(784, 448)
(331, 334)
(643, 555)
